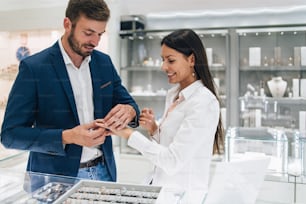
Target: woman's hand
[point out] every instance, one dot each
(147, 120)
(125, 132)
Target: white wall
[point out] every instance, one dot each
(32, 19)
(37, 40)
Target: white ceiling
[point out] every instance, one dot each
(166, 6)
(158, 6)
(9, 5)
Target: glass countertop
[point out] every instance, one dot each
(17, 186)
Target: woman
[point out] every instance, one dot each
(190, 131)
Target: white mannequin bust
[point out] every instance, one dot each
(277, 87)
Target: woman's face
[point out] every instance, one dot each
(177, 66)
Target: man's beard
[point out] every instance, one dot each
(76, 47)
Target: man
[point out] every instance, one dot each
(60, 91)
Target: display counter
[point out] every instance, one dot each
(16, 186)
(33, 188)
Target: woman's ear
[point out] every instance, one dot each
(191, 59)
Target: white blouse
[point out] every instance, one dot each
(182, 148)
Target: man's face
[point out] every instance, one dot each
(85, 35)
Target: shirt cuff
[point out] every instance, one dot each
(138, 141)
(155, 135)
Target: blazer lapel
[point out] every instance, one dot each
(60, 68)
(96, 78)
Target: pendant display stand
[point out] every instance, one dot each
(277, 87)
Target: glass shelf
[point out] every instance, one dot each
(151, 96)
(272, 68)
(141, 68)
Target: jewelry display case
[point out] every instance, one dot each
(249, 143)
(16, 186)
(259, 68)
(286, 150)
(34, 187)
(272, 72)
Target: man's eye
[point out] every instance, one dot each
(88, 33)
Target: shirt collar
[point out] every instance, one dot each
(187, 91)
(66, 57)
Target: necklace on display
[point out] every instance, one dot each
(277, 87)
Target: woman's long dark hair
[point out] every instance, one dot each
(187, 42)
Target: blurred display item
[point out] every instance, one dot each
(249, 143)
(277, 86)
(130, 23)
(254, 56)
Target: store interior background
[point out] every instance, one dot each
(39, 16)
(41, 21)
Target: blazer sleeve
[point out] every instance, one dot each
(19, 129)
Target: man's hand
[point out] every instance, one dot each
(123, 132)
(87, 135)
(119, 117)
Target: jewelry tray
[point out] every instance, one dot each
(88, 191)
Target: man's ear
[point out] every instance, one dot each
(67, 24)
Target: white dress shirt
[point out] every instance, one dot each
(81, 83)
(183, 151)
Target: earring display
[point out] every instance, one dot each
(106, 192)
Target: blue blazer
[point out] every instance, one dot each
(41, 105)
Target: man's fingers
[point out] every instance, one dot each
(112, 113)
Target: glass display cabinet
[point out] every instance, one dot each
(249, 143)
(286, 150)
(17, 186)
(260, 72)
(141, 69)
(272, 76)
